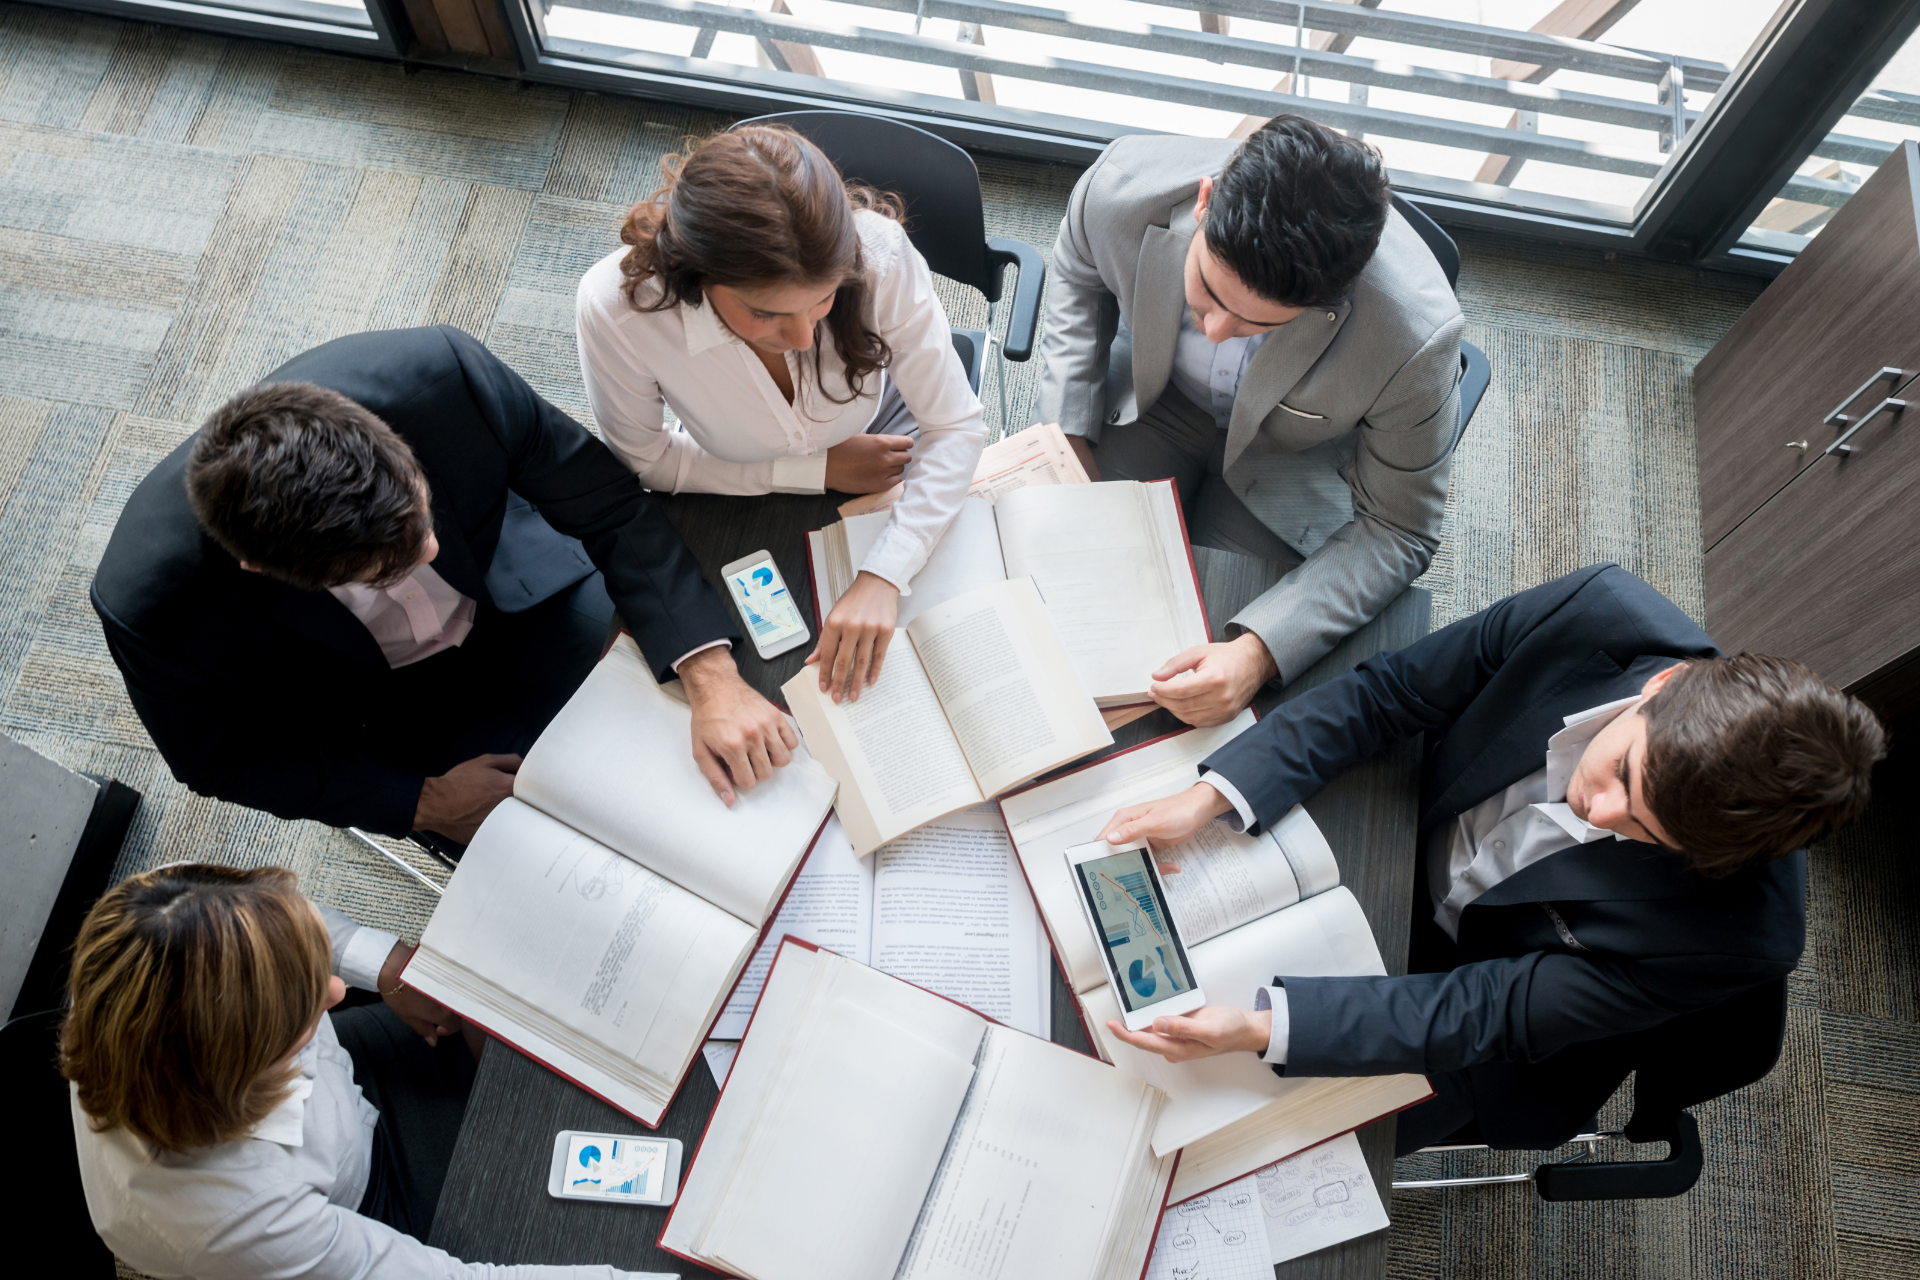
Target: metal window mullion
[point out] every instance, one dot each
(1166, 88)
(1513, 94)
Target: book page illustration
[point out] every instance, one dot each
(1221, 1235)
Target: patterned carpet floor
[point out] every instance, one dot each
(180, 213)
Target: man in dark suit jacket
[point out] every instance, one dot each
(365, 586)
(1612, 820)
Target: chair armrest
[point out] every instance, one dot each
(1032, 274)
(1629, 1179)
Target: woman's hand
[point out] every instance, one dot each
(1203, 1033)
(427, 1017)
(1166, 822)
(854, 641)
(868, 464)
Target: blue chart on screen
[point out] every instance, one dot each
(763, 576)
(624, 1170)
(1141, 979)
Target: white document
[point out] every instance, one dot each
(720, 1055)
(1221, 1235)
(966, 558)
(1318, 1199)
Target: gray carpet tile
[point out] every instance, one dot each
(179, 213)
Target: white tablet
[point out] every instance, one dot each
(614, 1168)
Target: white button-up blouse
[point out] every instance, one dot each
(739, 435)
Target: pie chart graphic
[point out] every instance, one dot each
(763, 576)
(1142, 979)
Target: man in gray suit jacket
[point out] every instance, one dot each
(1295, 369)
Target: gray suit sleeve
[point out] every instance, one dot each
(1399, 482)
(1082, 317)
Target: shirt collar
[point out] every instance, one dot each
(286, 1124)
(1563, 753)
(705, 331)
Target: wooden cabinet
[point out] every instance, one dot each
(1808, 419)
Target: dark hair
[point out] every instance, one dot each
(1298, 211)
(1750, 757)
(760, 205)
(190, 985)
(308, 487)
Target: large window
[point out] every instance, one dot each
(1666, 126)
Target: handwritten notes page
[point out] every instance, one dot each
(1221, 1235)
(1318, 1199)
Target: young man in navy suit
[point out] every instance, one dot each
(1613, 821)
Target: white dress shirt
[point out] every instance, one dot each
(1485, 845)
(1209, 373)
(738, 433)
(282, 1201)
(414, 618)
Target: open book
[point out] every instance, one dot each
(943, 907)
(602, 913)
(1250, 908)
(870, 1130)
(1038, 455)
(977, 696)
(1110, 560)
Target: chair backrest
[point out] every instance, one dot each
(1445, 251)
(40, 1126)
(1697, 1056)
(937, 180)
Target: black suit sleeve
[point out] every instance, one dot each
(583, 490)
(1310, 741)
(250, 741)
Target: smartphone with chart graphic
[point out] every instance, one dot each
(1126, 906)
(767, 609)
(614, 1167)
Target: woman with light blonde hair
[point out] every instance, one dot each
(229, 1125)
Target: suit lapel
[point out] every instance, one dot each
(1521, 747)
(1159, 299)
(1607, 870)
(1282, 360)
(455, 563)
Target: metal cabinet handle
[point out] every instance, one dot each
(1841, 445)
(1838, 418)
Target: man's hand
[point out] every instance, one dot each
(459, 800)
(854, 642)
(1209, 683)
(1203, 1033)
(739, 738)
(868, 464)
(429, 1018)
(1084, 451)
(1162, 823)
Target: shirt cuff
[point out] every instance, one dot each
(896, 557)
(800, 474)
(1275, 998)
(361, 958)
(1241, 819)
(711, 644)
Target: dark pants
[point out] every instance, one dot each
(421, 1093)
(496, 691)
(1177, 440)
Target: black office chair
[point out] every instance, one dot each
(1475, 370)
(946, 220)
(1678, 1064)
(40, 1122)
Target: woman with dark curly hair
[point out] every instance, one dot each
(793, 329)
(228, 1124)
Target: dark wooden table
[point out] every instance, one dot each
(495, 1207)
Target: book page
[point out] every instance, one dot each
(830, 905)
(1027, 1188)
(617, 765)
(590, 946)
(1046, 820)
(1326, 935)
(842, 1156)
(1006, 684)
(951, 913)
(1094, 553)
(892, 751)
(1189, 613)
(1227, 877)
(966, 558)
(1038, 455)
